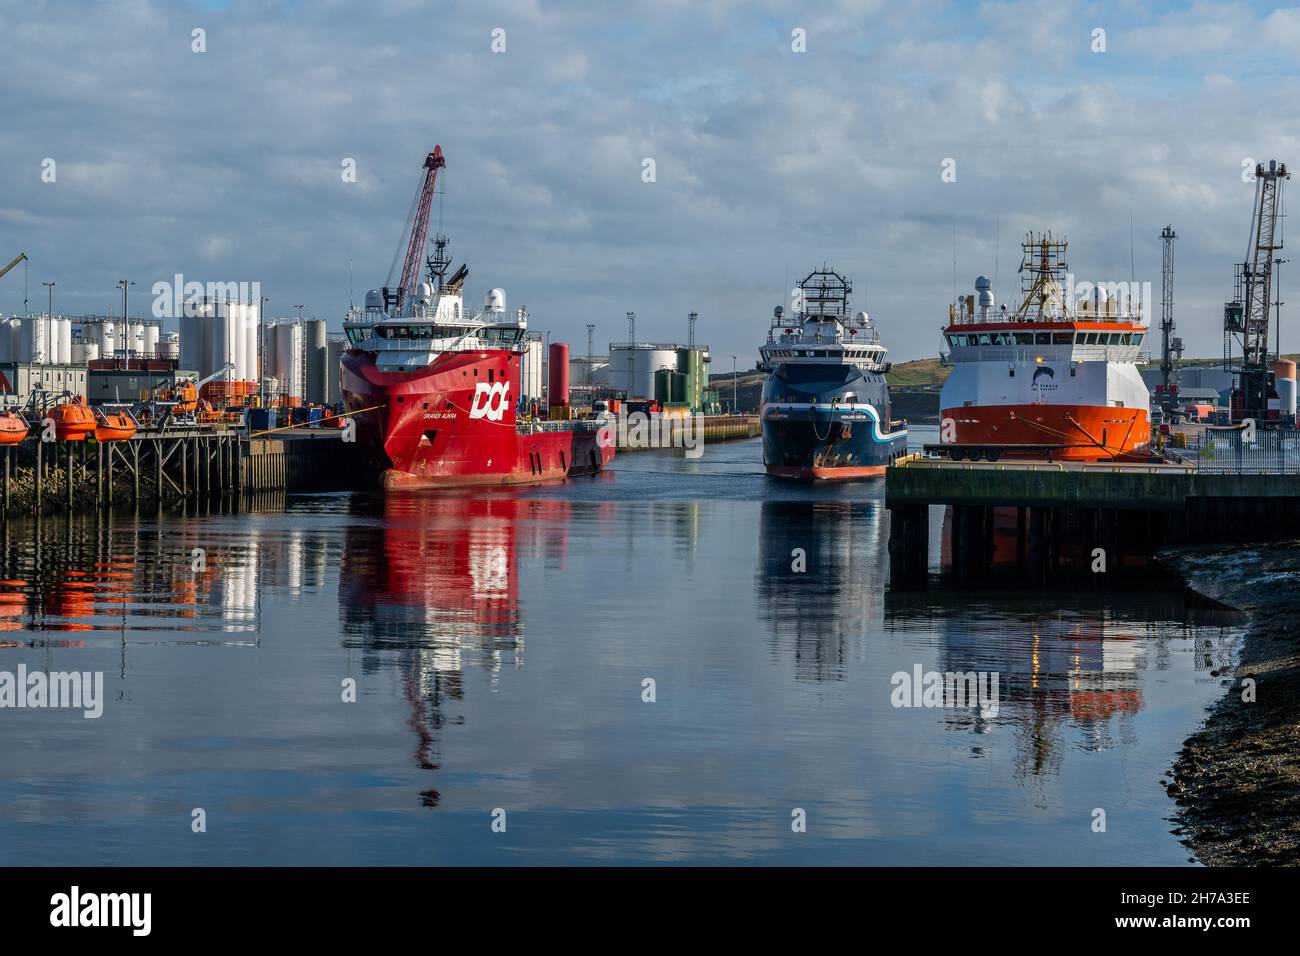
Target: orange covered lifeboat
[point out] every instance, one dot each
(73, 420)
(115, 426)
(13, 428)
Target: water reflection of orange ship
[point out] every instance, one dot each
(1075, 667)
(1010, 540)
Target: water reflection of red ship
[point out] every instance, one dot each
(436, 581)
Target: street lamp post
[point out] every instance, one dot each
(124, 284)
(50, 286)
(735, 405)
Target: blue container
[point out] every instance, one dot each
(316, 414)
(261, 419)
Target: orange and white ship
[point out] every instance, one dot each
(1056, 378)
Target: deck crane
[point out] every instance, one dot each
(419, 232)
(1171, 348)
(1245, 319)
(21, 257)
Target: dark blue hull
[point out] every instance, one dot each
(828, 422)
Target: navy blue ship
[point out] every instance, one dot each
(825, 401)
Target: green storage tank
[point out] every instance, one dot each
(664, 385)
(690, 362)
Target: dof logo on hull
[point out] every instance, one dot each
(490, 399)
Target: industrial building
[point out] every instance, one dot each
(19, 379)
(131, 379)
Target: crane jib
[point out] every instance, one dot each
(420, 228)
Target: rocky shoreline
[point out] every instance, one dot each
(1237, 780)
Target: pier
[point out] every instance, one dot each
(1049, 517)
(169, 466)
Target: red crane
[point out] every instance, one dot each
(420, 229)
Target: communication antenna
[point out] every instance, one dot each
(591, 336)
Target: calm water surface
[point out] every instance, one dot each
(499, 645)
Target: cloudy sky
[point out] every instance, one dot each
(227, 165)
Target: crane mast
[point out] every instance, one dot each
(1246, 317)
(1171, 348)
(420, 228)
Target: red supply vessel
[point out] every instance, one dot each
(435, 388)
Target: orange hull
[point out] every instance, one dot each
(1088, 432)
(826, 474)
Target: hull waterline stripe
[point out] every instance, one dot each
(876, 433)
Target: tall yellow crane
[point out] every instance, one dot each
(17, 259)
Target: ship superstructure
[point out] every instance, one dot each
(1054, 378)
(825, 407)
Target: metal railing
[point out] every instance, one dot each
(1227, 451)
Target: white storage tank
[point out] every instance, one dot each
(288, 358)
(251, 371)
(169, 345)
(65, 340)
(335, 349)
(89, 351)
(33, 345)
(640, 362)
(317, 360)
(152, 333)
(268, 354)
(218, 351)
(13, 334)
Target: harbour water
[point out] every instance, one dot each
(501, 643)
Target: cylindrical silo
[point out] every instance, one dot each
(317, 360)
(218, 351)
(335, 350)
(32, 347)
(288, 359)
(13, 332)
(152, 333)
(1284, 376)
(65, 340)
(90, 351)
(558, 379)
(250, 345)
(268, 357)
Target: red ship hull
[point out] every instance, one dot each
(452, 424)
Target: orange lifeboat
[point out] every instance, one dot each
(13, 429)
(115, 426)
(73, 420)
